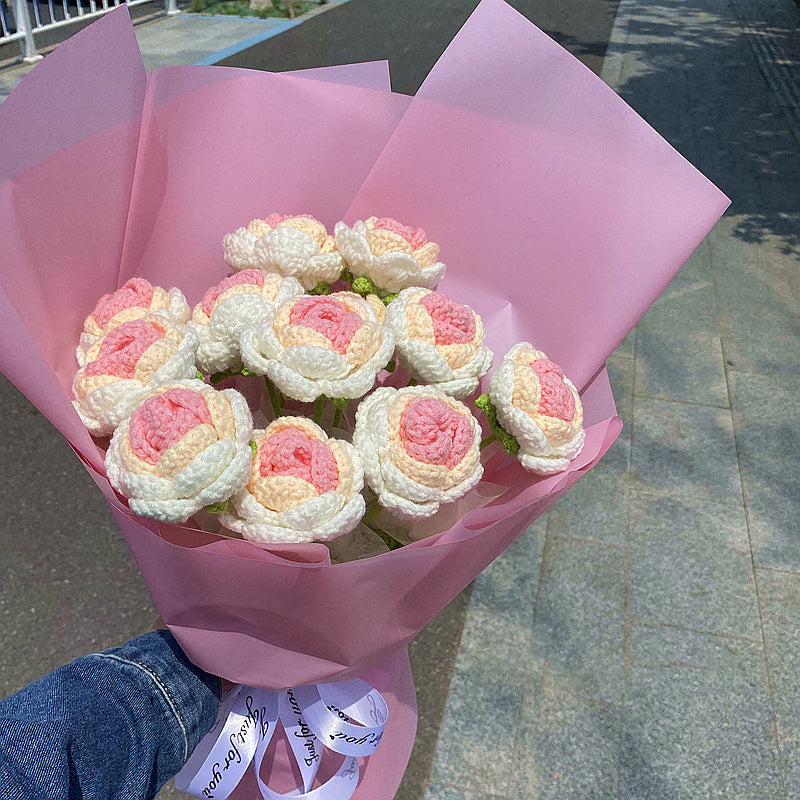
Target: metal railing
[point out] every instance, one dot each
(16, 23)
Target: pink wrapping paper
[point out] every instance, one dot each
(560, 213)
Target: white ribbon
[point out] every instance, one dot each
(313, 717)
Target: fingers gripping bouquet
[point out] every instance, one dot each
(534, 262)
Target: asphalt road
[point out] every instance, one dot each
(413, 33)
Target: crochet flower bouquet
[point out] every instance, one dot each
(204, 222)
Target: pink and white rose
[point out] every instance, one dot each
(303, 486)
(420, 448)
(314, 345)
(298, 246)
(185, 447)
(137, 298)
(440, 342)
(538, 405)
(123, 367)
(237, 302)
(394, 256)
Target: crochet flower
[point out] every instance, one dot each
(392, 255)
(316, 345)
(298, 246)
(235, 303)
(420, 449)
(303, 486)
(538, 405)
(135, 299)
(440, 342)
(123, 367)
(185, 447)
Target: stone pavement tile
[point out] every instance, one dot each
(780, 605)
(567, 747)
(690, 565)
(765, 413)
(625, 347)
(578, 630)
(697, 719)
(755, 266)
(476, 740)
(684, 367)
(684, 450)
(595, 508)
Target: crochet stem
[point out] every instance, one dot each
(492, 437)
(337, 417)
(372, 513)
(390, 541)
(274, 397)
(319, 405)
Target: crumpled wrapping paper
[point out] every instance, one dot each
(560, 214)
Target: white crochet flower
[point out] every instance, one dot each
(299, 246)
(123, 367)
(392, 255)
(420, 448)
(185, 447)
(316, 345)
(237, 302)
(303, 486)
(439, 342)
(137, 298)
(538, 405)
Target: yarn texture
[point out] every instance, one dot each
(420, 448)
(394, 256)
(137, 298)
(185, 447)
(314, 345)
(538, 405)
(303, 486)
(237, 302)
(296, 246)
(123, 367)
(440, 342)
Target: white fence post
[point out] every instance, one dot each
(171, 7)
(27, 46)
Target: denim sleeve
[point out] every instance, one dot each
(114, 725)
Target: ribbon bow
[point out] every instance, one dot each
(348, 717)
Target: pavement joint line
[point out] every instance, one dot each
(589, 540)
(794, 572)
(673, 401)
(754, 575)
(657, 623)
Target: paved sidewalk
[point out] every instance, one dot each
(643, 641)
(190, 39)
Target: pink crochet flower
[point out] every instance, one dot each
(420, 448)
(137, 298)
(394, 256)
(320, 344)
(287, 245)
(124, 366)
(440, 342)
(185, 447)
(240, 301)
(303, 486)
(538, 405)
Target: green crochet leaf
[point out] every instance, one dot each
(321, 288)
(253, 447)
(485, 404)
(217, 508)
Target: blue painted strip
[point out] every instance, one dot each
(279, 27)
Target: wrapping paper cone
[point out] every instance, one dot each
(560, 213)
